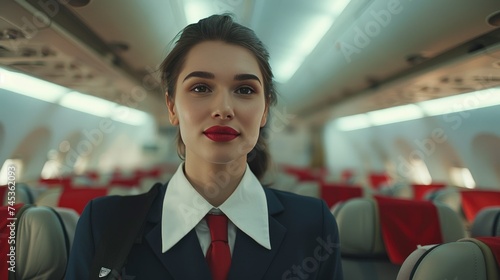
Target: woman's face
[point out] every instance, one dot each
(219, 103)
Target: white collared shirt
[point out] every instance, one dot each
(184, 209)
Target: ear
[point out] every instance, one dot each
(172, 115)
(263, 121)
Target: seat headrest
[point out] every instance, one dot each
(421, 191)
(473, 201)
(23, 194)
(360, 227)
(486, 223)
(467, 258)
(78, 198)
(69, 218)
(41, 248)
(401, 190)
(74, 198)
(450, 197)
(333, 193)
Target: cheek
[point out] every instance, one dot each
(253, 117)
(187, 120)
(189, 113)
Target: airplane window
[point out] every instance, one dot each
(462, 177)
(51, 168)
(69, 151)
(32, 150)
(17, 163)
(487, 160)
(81, 164)
(421, 173)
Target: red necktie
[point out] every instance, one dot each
(218, 254)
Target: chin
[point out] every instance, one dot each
(222, 160)
(225, 159)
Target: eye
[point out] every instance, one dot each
(200, 88)
(245, 90)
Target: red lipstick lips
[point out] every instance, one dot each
(221, 133)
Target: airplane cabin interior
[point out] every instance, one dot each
(388, 111)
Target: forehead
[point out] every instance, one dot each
(221, 59)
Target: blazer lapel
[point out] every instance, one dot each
(250, 260)
(184, 261)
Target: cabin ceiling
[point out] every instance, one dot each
(109, 48)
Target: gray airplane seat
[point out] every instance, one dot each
(450, 197)
(23, 194)
(486, 223)
(399, 189)
(69, 218)
(468, 258)
(370, 252)
(42, 244)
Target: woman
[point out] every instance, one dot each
(218, 91)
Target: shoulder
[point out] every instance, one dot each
(307, 219)
(104, 203)
(293, 200)
(308, 210)
(100, 211)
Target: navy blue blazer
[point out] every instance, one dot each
(303, 232)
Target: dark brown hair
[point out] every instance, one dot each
(221, 28)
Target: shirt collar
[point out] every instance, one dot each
(184, 208)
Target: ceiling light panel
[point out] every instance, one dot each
(302, 25)
(395, 114)
(87, 104)
(130, 116)
(353, 122)
(29, 86)
(461, 102)
(196, 10)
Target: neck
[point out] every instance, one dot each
(214, 181)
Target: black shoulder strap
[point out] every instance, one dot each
(119, 236)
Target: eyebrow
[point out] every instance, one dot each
(200, 74)
(243, 77)
(208, 75)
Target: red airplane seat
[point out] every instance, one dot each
(73, 198)
(347, 175)
(304, 173)
(378, 233)
(421, 190)
(333, 193)
(64, 182)
(128, 182)
(474, 201)
(378, 180)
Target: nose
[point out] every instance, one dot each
(223, 107)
